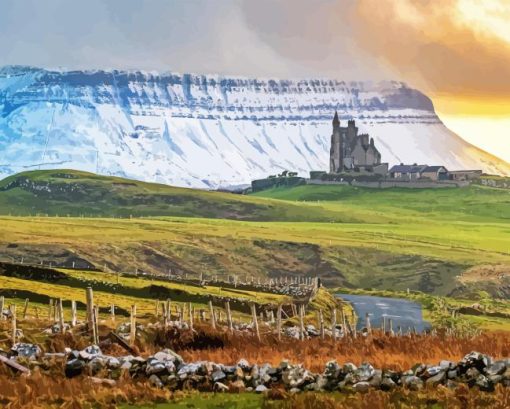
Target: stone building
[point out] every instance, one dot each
(351, 151)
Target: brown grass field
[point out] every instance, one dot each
(47, 387)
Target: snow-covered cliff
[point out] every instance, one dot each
(210, 131)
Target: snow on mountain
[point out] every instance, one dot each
(210, 131)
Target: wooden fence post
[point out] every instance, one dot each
(132, 334)
(301, 322)
(333, 324)
(255, 322)
(321, 321)
(390, 325)
(73, 313)
(2, 304)
(229, 316)
(279, 321)
(90, 308)
(211, 312)
(14, 329)
(95, 328)
(190, 314)
(168, 317)
(50, 309)
(61, 315)
(25, 308)
(367, 323)
(112, 312)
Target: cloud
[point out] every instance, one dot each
(438, 45)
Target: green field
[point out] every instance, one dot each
(354, 237)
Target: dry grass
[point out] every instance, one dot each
(397, 353)
(47, 388)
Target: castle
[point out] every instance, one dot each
(353, 152)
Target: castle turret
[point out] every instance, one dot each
(336, 163)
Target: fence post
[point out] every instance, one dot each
(367, 323)
(279, 321)
(229, 316)
(14, 329)
(73, 313)
(112, 312)
(132, 334)
(255, 322)
(95, 328)
(25, 308)
(301, 322)
(333, 324)
(50, 305)
(211, 312)
(61, 315)
(2, 303)
(90, 308)
(321, 319)
(168, 317)
(190, 314)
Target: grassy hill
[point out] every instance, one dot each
(369, 238)
(75, 193)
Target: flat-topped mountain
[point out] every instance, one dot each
(210, 131)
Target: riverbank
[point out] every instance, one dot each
(448, 312)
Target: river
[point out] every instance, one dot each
(404, 313)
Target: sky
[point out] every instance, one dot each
(456, 51)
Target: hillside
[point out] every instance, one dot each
(473, 203)
(208, 131)
(387, 239)
(74, 193)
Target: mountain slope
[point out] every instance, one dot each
(199, 131)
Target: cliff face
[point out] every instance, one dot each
(210, 131)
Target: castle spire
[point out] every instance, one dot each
(336, 121)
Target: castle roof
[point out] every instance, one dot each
(434, 169)
(408, 168)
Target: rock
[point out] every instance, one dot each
(412, 382)
(113, 363)
(364, 372)
(433, 371)
(154, 366)
(28, 351)
(437, 379)
(349, 367)
(361, 387)
(188, 369)
(497, 368)
(447, 365)
(90, 352)
(244, 365)
(261, 389)
(220, 387)
(476, 359)
(239, 373)
(218, 376)
(387, 384)
(96, 364)
(332, 370)
(155, 381)
(74, 367)
(472, 373)
(453, 374)
(169, 355)
(483, 383)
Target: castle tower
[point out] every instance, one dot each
(336, 162)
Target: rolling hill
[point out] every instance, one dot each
(386, 239)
